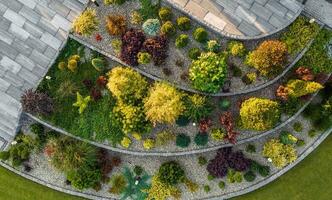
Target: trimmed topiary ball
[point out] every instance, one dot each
(182, 140)
(200, 35)
(194, 53)
(183, 23)
(168, 29)
(201, 139)
(171, 173)
(143, 58)
(249, 176)
(182, 41)
(165, 14)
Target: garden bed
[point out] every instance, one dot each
(176, 66)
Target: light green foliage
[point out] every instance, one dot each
(164, 138)
(182, 41)
(234, 176)
(236, 48)
(81, 103)
(165, 14)
(297, 88)
(200, 35)
(218, 134)
(213, 46)
(208, 72)
(149, 9)
(116, 45)
(143, 58)
(168, 29)
(259, 114)
(84, 177)
(183, 23)
(151, 27)
(136, 18)
(194, 53)
(287, 138)
(86, 23)
(281, 154)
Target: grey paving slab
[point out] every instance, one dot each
(31, 34)
(320, 9)
(243, 19)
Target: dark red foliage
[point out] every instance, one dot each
(101, 81)
(226, 119)
(95, 94)
(105, 162)
(88, 84)
(98, 37)
(116, 161)
(132, 43)
(35, 102)
(204, 125)
(157, 47)
(225, 158)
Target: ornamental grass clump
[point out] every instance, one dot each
(163, 103)
(208, 73)
(269, 57)
(259, 114)
(86, 23)
(280, 154)
(116, 24)
(126, 85)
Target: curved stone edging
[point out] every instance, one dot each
(246, 190)
(226, 34)
(175, 153)
(241, 92)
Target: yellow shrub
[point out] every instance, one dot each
(163, 103)
(72, 65)
(86, 23)
(280, 154)
(161, 191)
(125, 142)
(116, 24)
(297, 88)
(149, 144)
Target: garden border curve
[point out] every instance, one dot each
(175, 153)
(251, 188)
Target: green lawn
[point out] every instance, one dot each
(311, 179)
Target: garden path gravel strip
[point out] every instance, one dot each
(31, 35)
(46, 175)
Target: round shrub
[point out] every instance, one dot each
(236, 48)
(208, 72)
(165, 13)
(86, 23)
(207, 188)
(136, 18)
(249, 176)
(224, 104)
(151, 27)
(163, 103)
(218, 134)
(182, 120)
(197, 107)
(126, 84)
(116, 24)
(171, 173)
(281, 154)
(201, 139)
(221, 184)
(194, 53)
(84, 177)
(149, 143)
(168, 28)
(264, 171)
(183, 23)
(202, 160)
(213, 46)
(98, 63)
(182, 41)
(182, 140)
(143, 58)
(200, 35)
(35, 102)
(269, 57)
(259, 114)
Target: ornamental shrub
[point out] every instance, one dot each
(197, 107)
(125, 142)
(62, 65)
(182, 140)
(127, 85)
(191, 186)
(81, 102)
(132, 118)
(118, 2)
(149, 144)
(249, 176)
(202, 160)
(98, 63)
(182, 41)
(224, 104)
(264, 171)
(297, 126)
(236, 48)
(171, 173)
(208, 72)
(269, 57)
(218, 134)
(221, 184)
(160, 190)
(144, 58)
(287, 138)
(116, 24)
(157, 47)
(281, 154)
(183, 23)
(132, 42)
(72, 65)
(168, 29)
(213, 46)
(84, 177)
(116, 45)
(165, 14)
(164, 138)
(151, 27)
(259, 114)
(200, 35)
(86, 23)
(234, 176)
(194, 53)
(207, 188)
(201, 139)
(149, 8)
(249, 78)
(118, 183)
(297, 88)
(37, 103)
(136, 18)
(163, 103)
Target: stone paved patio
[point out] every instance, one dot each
(243, 19)
(321, 9)
(31, 34)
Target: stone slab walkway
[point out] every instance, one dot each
(243, 19)
(31, 34)
(320, 9)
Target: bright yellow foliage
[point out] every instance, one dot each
(86, 23)
(149, 144)
(161, 191)
(298, 88)
(280, 154)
